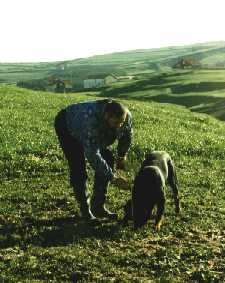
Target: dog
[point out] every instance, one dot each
(148, 190)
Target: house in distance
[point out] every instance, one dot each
(97, 81)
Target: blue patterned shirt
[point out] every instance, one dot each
(86, 123)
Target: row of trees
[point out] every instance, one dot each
(56, 85)
(187, 63)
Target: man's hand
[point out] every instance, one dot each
(120, 162)
(121, 182)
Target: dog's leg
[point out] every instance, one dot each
(172, 181)
(149, 212)
(160, 210)
(140, 219)
(142, 213)
(139, 214)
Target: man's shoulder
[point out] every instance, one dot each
(92, 104)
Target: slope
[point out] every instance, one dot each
(42, 237)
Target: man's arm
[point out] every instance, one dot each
(124, 142)
(100, 165)
(96, 160)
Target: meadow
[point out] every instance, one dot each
(198, 90)
(130, 62)
(43, 239)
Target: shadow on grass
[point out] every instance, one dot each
(76, 230)
(197, 87)
(161, 82)
(55, 232)
(184, 100)
(188, 101)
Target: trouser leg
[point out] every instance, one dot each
(100, 189)
(74, 154)
(128, 211)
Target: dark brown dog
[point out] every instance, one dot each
(148, 190)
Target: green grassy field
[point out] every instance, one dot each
(42, 237)
(13, 72)
(198, 90)
(119, 63)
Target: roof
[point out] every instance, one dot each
(100, 76)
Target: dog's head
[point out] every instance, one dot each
(149, 157)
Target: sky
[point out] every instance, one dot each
(57, 30)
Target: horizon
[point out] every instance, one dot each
(109, 53)
(36, 32)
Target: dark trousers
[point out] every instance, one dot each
(74, 153)
(72, 149)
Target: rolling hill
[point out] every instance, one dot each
(198, 90)
(210, 54)
(42, 237)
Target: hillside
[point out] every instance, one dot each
(198, 90)
(42, 238)
(120, 63)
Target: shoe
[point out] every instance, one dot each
(87, 214)
(105, 213)
(90, 218)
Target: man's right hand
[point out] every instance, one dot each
(120, 163)
(121, 182)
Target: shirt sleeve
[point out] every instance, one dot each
(94, 157)
(125, 137)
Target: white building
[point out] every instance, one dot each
(96, 81)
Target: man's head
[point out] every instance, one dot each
(115, 114)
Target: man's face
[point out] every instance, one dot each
(115, 122)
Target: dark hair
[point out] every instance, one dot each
(115, 109)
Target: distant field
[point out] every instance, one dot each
(198, 90)
(42, 237)
(119, 63)
(11, 73)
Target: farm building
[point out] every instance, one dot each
(96, 81)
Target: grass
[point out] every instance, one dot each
(198, 90)
(14, 72)
(119, 63)
(42, 237)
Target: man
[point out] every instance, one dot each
(85, 131)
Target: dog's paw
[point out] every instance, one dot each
(158, 226)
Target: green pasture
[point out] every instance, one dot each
(132, 62)
(43, 239)
(198, 90)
